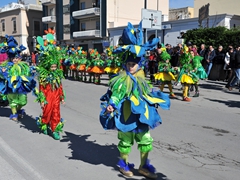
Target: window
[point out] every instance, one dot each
(96, 3)
(14, 24)
(66, 9)
(82, 5)
(98, 25)
(66, 28)
(36, 26)
(3, 25)
(83, 26)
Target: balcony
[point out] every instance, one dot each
(86, 13)
(87, 34)
(49, 19)
(48, 2)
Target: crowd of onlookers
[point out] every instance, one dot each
(225, 60)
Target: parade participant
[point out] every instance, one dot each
(130, 104)
(198, 70)
(3, 97)
(50, 88)
(82, 65)
(113, 64)
(165, 75)
(19, 79)
(97, 69)
(73, 67)
(186, 76)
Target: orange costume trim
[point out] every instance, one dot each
(97, 70)
(82, 67)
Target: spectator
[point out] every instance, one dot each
(236, 70)
(33, 57)
(152, 65)
(202, 52)
(227, 67)
(175, 57)
(36, 57)
(219, 61)
(210, 55)
(169, 49)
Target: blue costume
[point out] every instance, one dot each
(134, 103)
(18, 79)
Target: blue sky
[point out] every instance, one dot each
(5, 2)
(172, 3)
(180, 3)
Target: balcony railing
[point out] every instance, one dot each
(91, 12)
(48, 2)
(86, 34)
(49, 19)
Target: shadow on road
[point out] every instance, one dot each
(229, 103)
(5, 111)
(93, 153)
(27, 122)
(211, 86)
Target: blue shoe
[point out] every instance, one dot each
(148, 170)
(14, 117)
(125, 168)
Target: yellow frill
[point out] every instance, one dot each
(186, 79)
(113, 70)
(163, 76)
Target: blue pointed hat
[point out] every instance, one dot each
(133, 49)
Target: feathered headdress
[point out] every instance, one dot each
(133, 49)
(49, 53)
(10, 46)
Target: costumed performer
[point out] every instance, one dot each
(130, 104)
(50, 88)
(18, 76)
(198, 70)
(186, 76)
(3, 81)
(165, 75)
(113, 64)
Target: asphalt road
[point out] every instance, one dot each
(197, 140)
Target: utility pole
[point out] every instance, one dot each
(145, 30)
(156, 32)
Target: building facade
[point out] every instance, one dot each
(86, 22)
(181, 13)
(218, 7)
(174, 28)
(23, 22)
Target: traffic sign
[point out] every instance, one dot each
(151, 19)
(167, 26)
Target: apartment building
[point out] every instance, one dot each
(86, 22)
(218, 7)
(23, 22)
(181, 13)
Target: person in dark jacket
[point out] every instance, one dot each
(228, 62)
(210, 55)
(236, 70)
(202, 52)
(175, 57)
(219, 61)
